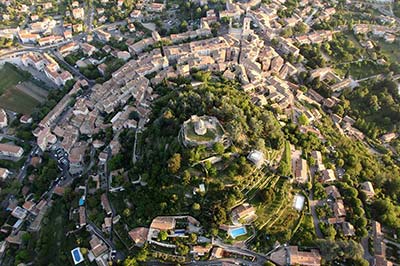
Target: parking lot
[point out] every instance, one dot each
(62, 158)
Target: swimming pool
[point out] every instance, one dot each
(237, 232)
(77, 255)
(81, 201)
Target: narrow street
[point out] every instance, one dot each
(367, 255)
(313, 204)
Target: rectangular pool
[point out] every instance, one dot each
(77, 255)
(237, 232)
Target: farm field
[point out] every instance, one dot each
(17, 93)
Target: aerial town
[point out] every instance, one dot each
(200, 132)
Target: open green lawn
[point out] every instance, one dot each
(360, 70)
(17, 101)
(210, 135)
(9, 77)
(391, 50)
(10, 97)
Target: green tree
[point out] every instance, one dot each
(130, 262)
(163, 235)
(174, 163)
(218, 148)
(196, 207)
(303, 120)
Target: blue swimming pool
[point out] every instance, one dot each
(238, 232)
(77, 255)
(180, 232)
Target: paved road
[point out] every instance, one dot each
(10, 137)
(260, 258)
(367, 256)
(313, 204)
(22, 173)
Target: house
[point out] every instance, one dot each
(68, 48)
(368, 189)
(28, 37)
(88, 49)
(3, 118)
(75, 4)
(333, 192)
(379, 245)
(103, 36)
(131, 27)
(19, 213)
(348, 229)
(292, 256)
(256, 157)
(163, 223)
(136, 14)
(300, 170)
(103, 157)
(49, 40)
(217, 253)
(98, 247)
(201, 250)
(106, 204)
(328, 175)
(139, 235)
(82, 216)
(28, 205)
(10, 150)
(78, 13)
(47, 5)
(77, 28)
(36, 161)
(338, 209)
(156, 7)
(25, 119)
(124, 55)
(4, 173)
(390, 38)
(388, 137)
(244, 213)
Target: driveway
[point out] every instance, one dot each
(313, 204)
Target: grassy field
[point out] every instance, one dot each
(9, 77)
(210, 135)
(391, 50)
(12, 98)
(17, 101)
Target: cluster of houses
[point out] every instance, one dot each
(46, 64)
(183, 226)
(389, 34)
(379, 245)
(12, 152)
(240, 54)
(44, 31)
(86, 117)
(29, 216)
(292, 255)
(339, 212)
